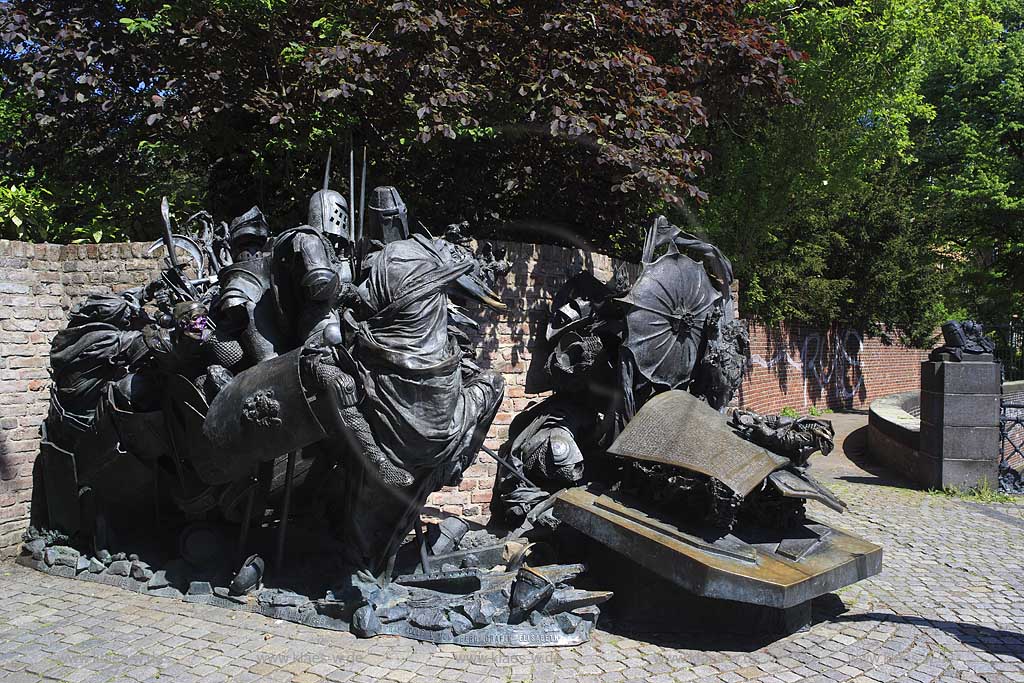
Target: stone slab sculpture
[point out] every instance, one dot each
(779, 565)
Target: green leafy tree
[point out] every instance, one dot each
(818, 203)
(971, 171)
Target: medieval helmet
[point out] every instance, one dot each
(191, 318)
(252, 223)
(328, 212)
(189, 309)
(387, 219)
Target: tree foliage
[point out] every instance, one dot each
(971, 170)
(829, 208)
(859, 160)
(575, 113)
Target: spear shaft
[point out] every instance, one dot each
(362, 195)
(351, 187)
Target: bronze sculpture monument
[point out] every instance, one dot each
(325, 374)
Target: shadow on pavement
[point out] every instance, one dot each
(830, 608)
(993, 641)
(855, 448)
(704, 639)
(699, 641)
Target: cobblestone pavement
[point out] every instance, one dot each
(947, 606)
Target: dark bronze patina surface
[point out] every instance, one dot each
(676, 428)
(729, 567)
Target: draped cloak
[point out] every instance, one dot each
(424, 415)
(411, 368)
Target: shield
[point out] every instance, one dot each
(665, 314)
(264, 412)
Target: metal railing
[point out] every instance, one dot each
(1011, 435)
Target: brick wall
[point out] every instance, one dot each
(39, 283)
(838, 368)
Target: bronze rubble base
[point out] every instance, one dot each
(468, 606)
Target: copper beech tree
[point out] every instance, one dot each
(489, 111)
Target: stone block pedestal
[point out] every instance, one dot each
(959, 423)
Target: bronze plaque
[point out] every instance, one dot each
(677, 428)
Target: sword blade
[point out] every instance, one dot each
(165, 213)
(508, 466)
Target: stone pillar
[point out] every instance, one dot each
(960, 422)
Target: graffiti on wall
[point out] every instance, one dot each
(836, 370)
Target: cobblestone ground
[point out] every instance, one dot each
(947, 606)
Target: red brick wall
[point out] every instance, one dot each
(838, 368)
(30, 311)
(39, 283)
